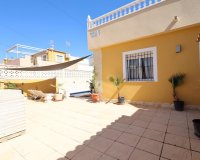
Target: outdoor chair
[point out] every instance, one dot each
(36, 94)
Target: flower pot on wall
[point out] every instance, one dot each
(179, 105)
(196, 123)
(95, 97)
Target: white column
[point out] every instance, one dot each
(97, 55)
(89, 20)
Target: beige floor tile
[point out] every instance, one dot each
(129, 139)
(160, 120)
(154, 135)
(110, 133)
(176, 123)
(175, 153)
(177, 140)
(8, 153)
(190, 125)
(195, 155)
(157, 127)
(150, 146)
(87, 154)
(72, 153)
(140, 123)
(178, 131)
(178, 118)
(192, 135)
(100, 143)
(125, 120)
(32, 144)
(118, 126)
(195, 144)
(106, 157)
(42, 153)
(120, 151)
(142, 155)
(145, 118)
(135, 130)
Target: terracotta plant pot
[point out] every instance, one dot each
(95, 97)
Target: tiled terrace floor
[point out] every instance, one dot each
(79, 130)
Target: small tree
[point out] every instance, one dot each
(176, 80)
(116, 82)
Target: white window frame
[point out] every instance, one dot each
(60, 56)
(155, 69)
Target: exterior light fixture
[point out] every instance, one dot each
(176, 19)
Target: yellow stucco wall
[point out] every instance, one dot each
(168, 61)
(52, 55)
(47, 86)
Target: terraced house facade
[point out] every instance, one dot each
(145, 42)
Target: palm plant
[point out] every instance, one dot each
(116, 82)
(176, 80)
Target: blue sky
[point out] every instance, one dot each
(37, 22)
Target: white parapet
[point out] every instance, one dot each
(12, 113)
(123, 11)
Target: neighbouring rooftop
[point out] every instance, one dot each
(76, 129)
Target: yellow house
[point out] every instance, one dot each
(145, 42)
(42, 58)
(49, 56)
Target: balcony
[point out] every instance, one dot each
(139, 19)
(123, 11)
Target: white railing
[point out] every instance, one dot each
(11, 74)
(73, 80)
(123, 11)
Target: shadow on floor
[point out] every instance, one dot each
(150, 133)
(112, 143)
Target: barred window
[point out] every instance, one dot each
(140, 65)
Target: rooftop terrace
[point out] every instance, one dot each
(123, 11)
(76, 129)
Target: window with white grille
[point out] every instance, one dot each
(140, 65)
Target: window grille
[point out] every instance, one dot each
(140, 66)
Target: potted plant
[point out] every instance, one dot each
(176, 80)
(117, 82)
(94, 87)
